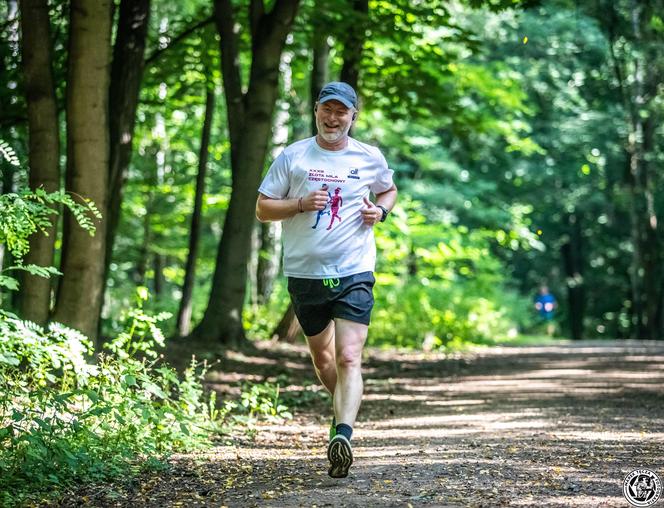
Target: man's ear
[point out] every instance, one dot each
(316, 107)
(354, 116)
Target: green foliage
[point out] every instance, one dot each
(261, 400)
(260, 320)
(65, 420)
(440, 285)
(28, 212)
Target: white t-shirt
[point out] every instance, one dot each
(333, 242)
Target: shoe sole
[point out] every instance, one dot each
(340, 455)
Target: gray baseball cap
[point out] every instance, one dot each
(340, 91)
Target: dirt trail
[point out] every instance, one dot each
(555, 426)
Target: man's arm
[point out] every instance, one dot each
(387, 198)
(269, 209)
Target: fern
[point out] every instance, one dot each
(27, 212)
(8, 153)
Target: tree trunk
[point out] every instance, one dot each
(158, 277)
(319, 70)
(249, 122)
(637, 96)
(645, 270)
(184, 314)
(289, 329)
(354, 42)
(126, 76)
(80, 291)
(573, 260)
(268, 260)
(44, 148)
(144, 251)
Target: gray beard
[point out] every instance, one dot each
(331, 137)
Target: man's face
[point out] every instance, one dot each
(333, 120)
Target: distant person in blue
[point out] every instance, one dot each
(545, 304)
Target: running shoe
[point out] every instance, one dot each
(340, 455)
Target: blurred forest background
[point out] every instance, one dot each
(526, 139)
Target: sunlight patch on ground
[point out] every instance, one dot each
(569, 500)
(394, 397)
(415, 427)
(601, 435)
(547, 373)
(456, 402)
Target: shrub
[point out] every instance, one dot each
(63, 419)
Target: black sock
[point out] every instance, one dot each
(345, 430)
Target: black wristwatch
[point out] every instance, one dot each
(385, 212)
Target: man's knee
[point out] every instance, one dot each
(322, 360)
(349, 357)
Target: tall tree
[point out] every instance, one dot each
(354, 42)
(184, 313)
(249, 124)
(638, 68)
(44, 147)
(80, 292)
(126, 76)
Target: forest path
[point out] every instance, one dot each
(551, 426)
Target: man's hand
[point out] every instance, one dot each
(371, 214)
(315, 200)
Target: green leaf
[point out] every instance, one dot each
(9, 282)
(155, 390)
(142, 293)
(119, 418)
(9, 358)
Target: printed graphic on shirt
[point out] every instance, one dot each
(354, 174)
(326, 210)
(335, 204)
(335, 201)
(320, 175)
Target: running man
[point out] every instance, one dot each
(330, 271)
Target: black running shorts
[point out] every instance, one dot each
(318, 301)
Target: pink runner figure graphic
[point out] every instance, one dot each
(335, 203)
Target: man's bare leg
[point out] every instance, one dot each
(322, 351)
(350, 339)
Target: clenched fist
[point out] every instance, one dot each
(315, 200)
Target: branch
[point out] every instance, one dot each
(256, 12)
(156, 54)
(276, 25)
